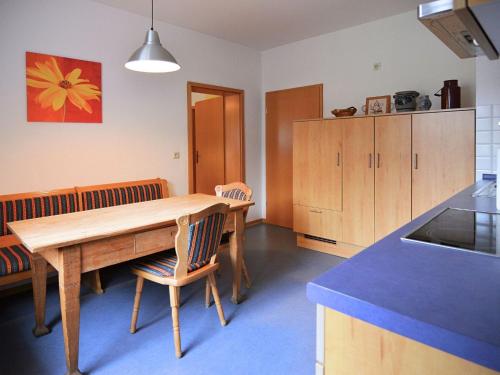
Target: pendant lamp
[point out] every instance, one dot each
(151, 57)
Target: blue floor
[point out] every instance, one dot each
(271, 332)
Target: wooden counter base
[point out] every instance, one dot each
(340, 249)
(352, 346)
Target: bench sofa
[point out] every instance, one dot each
(15, 259)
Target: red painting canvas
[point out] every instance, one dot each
(60, 89)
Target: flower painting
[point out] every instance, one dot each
(61, 89)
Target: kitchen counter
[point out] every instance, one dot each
(444, 298)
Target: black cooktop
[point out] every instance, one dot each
(462, 229)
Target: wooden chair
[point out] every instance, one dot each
(239, 191)
(195, 257)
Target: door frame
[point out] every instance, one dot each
(217, 90)
(266, 130)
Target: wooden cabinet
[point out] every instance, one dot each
(392, 173)
(317, 222)
(443, 157)
(317, 177)
(358, 181)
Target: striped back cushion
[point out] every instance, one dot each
(29, 208)
(235, 194)
(120, 195)
(204, 239)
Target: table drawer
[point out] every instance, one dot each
(155, 240)
(106, 252)
(317, 222)
(109, 251)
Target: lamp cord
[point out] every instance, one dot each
(152, 7)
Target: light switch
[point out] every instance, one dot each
(177, 155)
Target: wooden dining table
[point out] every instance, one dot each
(84, 241)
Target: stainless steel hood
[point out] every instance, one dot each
(468, 27)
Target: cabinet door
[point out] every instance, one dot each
(392, 173)
(358, 181)
(317, 158)
(443, 157)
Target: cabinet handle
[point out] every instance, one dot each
(378, 160)
(315, 211)
(338, 159)
(197, 157)
(416, 161)
(370, 160)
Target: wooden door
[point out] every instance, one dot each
(282, 108)
(209, 142)
(358, 181)
(317, 164)
(234, 161)
(443, 157)
(392, 173)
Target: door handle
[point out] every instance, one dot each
(197, 157)
(338, 159)
(370, 160)
(416, 161)
(378, 160)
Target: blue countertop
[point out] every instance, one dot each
(441, 297)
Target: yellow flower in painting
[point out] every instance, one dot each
(58, 88)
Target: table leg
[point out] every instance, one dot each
(69, 294)
(39, 280)
(236, 254)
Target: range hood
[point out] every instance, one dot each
(468, 27)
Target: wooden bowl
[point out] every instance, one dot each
(344, 112)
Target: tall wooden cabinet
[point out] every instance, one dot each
(392, 173)
(443, 157)
(357, 179)
(317, 176)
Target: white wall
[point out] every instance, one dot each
(487, 115)
(412, 59)
(144, 116)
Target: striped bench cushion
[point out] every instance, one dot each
(203, 240)
(121, 195)
(235, 194)
(29, 208)
(13, 259)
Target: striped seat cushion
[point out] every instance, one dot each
(13, 259)
(121, 195)
(161, 264)
(28, 208)
(203, 240)
(235, 194)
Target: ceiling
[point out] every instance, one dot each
(264, 24)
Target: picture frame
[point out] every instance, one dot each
(377, 105)
(62, 89)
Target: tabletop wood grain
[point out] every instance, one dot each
(85, 226)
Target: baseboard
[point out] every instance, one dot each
(254, 222)
(340, 249)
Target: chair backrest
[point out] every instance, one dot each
(23, 206)
(235, 190)
(108, 195)
(198, 238)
